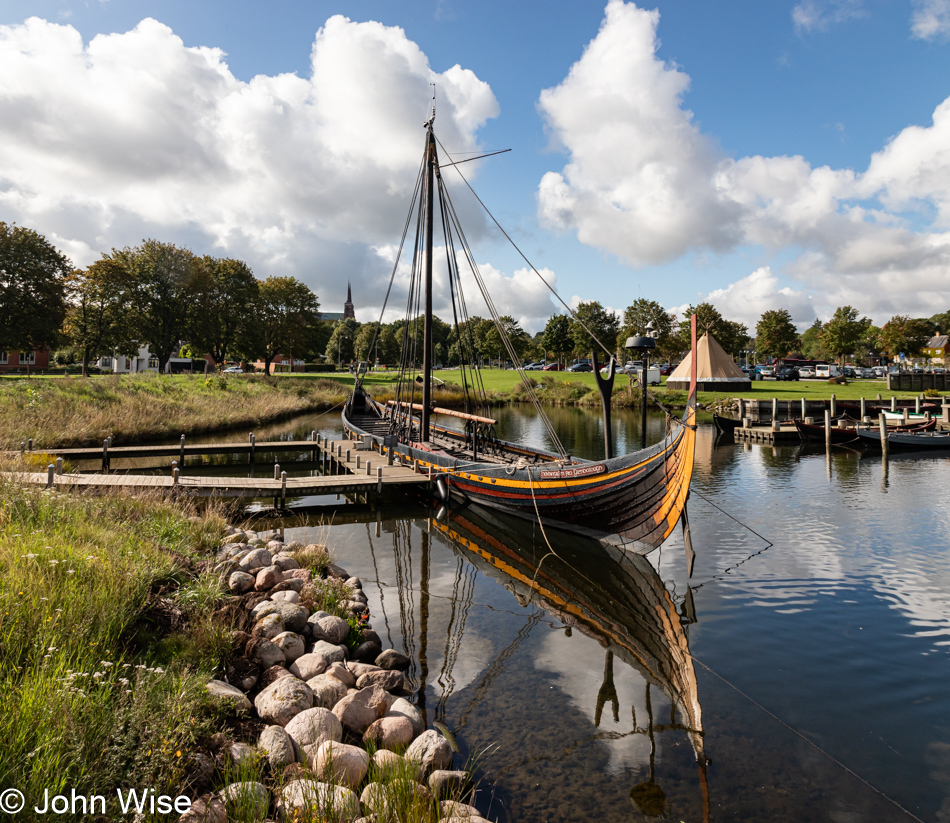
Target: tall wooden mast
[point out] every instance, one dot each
(431, 170)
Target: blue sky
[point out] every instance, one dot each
(760, 155)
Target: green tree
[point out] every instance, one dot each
(811, 342)
(286, 320)
(730, 334)
(364, 339)
(225, 294)
(492, 342)
(638, 316)
(99, 319)
(775, 334)
(162, 278)
(32, 290)
(341, 345)
(603, 325)
(556, 337)
(904, 334)
(842, 335)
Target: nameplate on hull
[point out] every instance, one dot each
(575, 471)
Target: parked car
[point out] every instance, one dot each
(552, 367)
(233, 370)
(865, 372)
(806, 371)
(535, 366)
(666, 369)
(766, 371)
(787, 373)
(580, 367)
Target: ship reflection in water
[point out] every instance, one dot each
(615, 599)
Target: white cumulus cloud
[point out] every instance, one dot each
(644, 183)
(135, 134)
(931, 19)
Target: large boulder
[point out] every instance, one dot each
(246, 801)
(294, 615)
(269, 626)
(230, 694)
(314, 727)
(340, 763)
(327, 690)
(256, 559)
(308, 666)
(267, 578)
(287, 595)
(391, 681)
(391, 659)
(306, 799)
(342, 673)
(430, 751)
(330, 652)
(446, 784)
(393, 733)
(332, 629)
(240, 582)
(403, 708)
(265, 652)
(291, 645)
(278, 747)
(389, 764)
(398, 799)
(367, 651)
(453, 810)
(358, 710)
(283, 700)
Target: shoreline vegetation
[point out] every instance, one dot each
(74, 411)
(120, 618)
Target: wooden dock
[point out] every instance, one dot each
(787, 433)
(348, 468)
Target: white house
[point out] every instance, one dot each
(143, 361)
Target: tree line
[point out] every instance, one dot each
(158, 295)
(155, 295)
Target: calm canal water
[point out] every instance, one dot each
(801, 674)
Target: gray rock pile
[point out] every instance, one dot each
(324, 705)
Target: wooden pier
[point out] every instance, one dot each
(349, 467)
(785, 433)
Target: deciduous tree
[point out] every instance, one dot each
(286, 319)
(730, 334)
(904, 334)
(32, 290)
(775, 334)
(599, 322)
(557, 337)
(842, 335)
(225, 294)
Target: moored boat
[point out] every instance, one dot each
(635, 499)
(905, 440)
(814, 432)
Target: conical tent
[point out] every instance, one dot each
(715, 370)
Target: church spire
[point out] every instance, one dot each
(348, 312)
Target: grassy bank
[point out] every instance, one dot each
(89, 703)
(134, 408)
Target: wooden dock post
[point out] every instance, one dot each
(347, 455)
(357, 461)
(917, 405)
(906, 415)
(804, 408)
(313, 451)
(181, 452)
(834, 406)
(864, 410)
(175, 473)
(882, 426)
(59, 465)
(105, 455)
(828, 426)
(283, 490)
(774, 409)
(379, 480)
(894, 404)
(50, 471)
(29, 444)
(22, 447)
(277, 471)
(369, 468)
(253, 444)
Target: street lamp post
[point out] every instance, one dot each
(643, 344)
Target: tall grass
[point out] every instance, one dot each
(133, 408)
(86, 707)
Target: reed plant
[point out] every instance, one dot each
(148, 406)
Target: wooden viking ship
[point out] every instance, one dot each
(635, 499)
